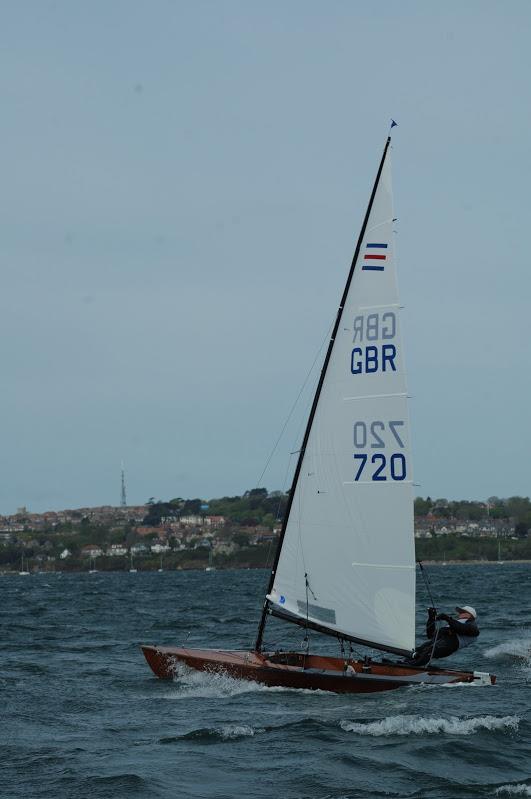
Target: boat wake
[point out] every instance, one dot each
(190, 683)
(514, 649)
(437, 687)
(513, 790)
(418, 725)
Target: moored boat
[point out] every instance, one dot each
(23, 571)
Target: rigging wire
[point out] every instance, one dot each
(268, 560)
(433, 605)
(427, 584)
(283, 430)
(290, 414)
(437, 628)
(306, 639)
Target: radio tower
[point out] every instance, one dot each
(123, 502)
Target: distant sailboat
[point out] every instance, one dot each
(345, 562)
(93, 569)
(132, 569)
(499, 561)
(23, 572)
(210, 567)
(161, 569)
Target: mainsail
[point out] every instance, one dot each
(346, 561)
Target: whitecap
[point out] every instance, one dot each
(475, 684)
(515, 648)
(418, 725)
(231, 731)
(513, 790)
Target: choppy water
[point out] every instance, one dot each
(82, 715)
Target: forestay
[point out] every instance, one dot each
(347, 561)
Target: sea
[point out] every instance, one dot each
(83, 717)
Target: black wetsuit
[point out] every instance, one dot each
(449, 639)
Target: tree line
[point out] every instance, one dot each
(256, 507)
(517, 509)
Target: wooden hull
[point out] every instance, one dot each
(296, 670)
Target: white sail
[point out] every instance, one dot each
(347, 561)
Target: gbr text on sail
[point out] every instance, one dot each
(374, 352)
(368, 358)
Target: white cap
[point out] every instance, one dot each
(467, 609)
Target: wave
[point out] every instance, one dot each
(227, 732)
(513, 790)
(302, 726)
(418, 725)
(514, 649)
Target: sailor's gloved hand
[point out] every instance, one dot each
(442, 617)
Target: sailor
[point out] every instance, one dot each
(456, 634)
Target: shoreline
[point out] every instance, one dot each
(473, 562)
(46, 572)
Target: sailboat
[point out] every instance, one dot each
(23, 572)
(93, 569)
(499, 561)
(210, 567)
(345, 562)
(132, 569)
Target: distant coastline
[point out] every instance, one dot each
(239, 532)
(241, 566)
(475, 562)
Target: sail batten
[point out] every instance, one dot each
(348, 531)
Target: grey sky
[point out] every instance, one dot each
(182, 188)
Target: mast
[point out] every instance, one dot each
(261, 626)
(123, 499)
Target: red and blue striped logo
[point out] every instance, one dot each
(374, 257)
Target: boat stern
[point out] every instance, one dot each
(483, 678)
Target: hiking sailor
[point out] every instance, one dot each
(456, 635)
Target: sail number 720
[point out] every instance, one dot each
(381, 466)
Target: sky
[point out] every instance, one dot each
(183, 184)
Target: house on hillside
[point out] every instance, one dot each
(192, 521)
(116, 549)
(159, 547)
(91, 551)
(215, 521)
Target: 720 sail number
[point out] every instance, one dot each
(374, 435)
